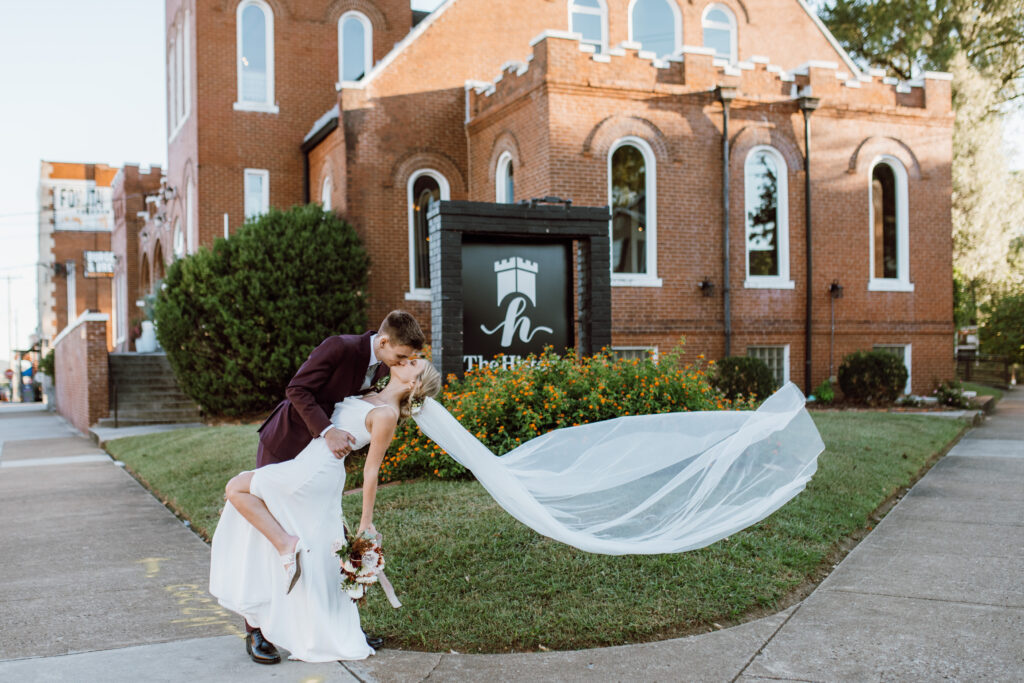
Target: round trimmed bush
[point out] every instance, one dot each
(238, 321)
(872, 377)
(744, 376)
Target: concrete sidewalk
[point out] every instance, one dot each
(102, 583)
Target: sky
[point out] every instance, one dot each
(83, 80)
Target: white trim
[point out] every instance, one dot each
(554, 33)
(187, 72)
(501, 179)
(730, 26)
(830, 38)
(900, 283)
(602, 13)
(652, 349)
(780, 280)
(418, 293)
(172, 89)
(906, 360)
(367, 44)
(178, 240)
(85, 317)
(677, 20)
(265, 191)
(326, 189)
(191, 224)
(268, 103)
(649, 278)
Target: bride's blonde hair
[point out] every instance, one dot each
(429, 386)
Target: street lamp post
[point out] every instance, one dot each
(807, 106)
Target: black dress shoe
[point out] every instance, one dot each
(261, 650)
(376, 642)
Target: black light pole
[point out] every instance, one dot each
(726, 94)
(807, 107)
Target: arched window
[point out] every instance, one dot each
(889, 226)
(172, 90)
(426, 186)
(504, 180)
(589, 18)
(190, 220)
(325, 193)
(355, 46)
(633, 200)
(179, 240)
(766, 214)
(255, 46)
(719, 26)
(656, 25)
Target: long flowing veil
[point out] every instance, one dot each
(646, 484)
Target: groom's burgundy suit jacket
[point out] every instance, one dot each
(334, 370)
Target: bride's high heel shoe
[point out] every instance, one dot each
(292, 566)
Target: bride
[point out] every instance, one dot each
(272, 560)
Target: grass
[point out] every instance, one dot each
(982, 389)
(473, 579)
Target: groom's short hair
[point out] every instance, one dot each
(402, 329)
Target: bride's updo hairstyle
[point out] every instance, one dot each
(430, 385)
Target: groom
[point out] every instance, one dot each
(343, 365)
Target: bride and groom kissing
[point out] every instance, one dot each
(272, 559)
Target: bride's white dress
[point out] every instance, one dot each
(316, 622)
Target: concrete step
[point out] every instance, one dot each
(136, 422)
(157, 416)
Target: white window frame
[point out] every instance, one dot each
(420, 293)
(172, 91)
(186, 73)
(602, 13)
(120, 307)
(729, 26)
(179, 240)
(179, 66)
(72, 294)
(782, 280)
(500, 179)
(900, 283)
(367, 44)
(268, 105)
(326, 188)
(785, 357)
(650, 278)
(677, 21)
(265, 199)
(906, 360)
(191, 233)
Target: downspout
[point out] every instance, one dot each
(807, 107)
(726, 94)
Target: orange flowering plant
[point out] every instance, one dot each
(507, 407)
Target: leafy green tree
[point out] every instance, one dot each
(237, 322)
(1003, 331)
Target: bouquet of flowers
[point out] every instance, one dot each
(361, 560)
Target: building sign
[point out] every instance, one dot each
(81, 205)
(99, 264)
(517, 299)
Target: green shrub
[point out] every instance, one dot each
(825, 394)
(237, 322)
(1002, 330)
(951, 393)
(872, 377)
(46, 365)
(505, 408)
(744, 376)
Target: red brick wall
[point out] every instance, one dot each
(80, 359)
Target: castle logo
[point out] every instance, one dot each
(517, 284)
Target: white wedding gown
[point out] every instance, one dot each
(316, 622)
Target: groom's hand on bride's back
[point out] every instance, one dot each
(339, 441)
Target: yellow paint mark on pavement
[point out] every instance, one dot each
(152, 565)
(199, 609)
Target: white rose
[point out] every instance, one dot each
(356, 592)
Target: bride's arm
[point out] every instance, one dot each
(382, 431)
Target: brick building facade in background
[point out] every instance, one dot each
(75, 222)
(606, 102)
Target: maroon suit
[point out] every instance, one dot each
(334, 370)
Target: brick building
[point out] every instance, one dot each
(376, 111)
(75, 221)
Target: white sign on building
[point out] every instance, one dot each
(81, 204)
(99, 264)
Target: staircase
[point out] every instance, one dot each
(143, 392)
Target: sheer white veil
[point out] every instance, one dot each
(646, 484)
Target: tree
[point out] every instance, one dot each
(237, 322)
(1003, 331)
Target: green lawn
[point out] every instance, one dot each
(982, 389)
(473, 579)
